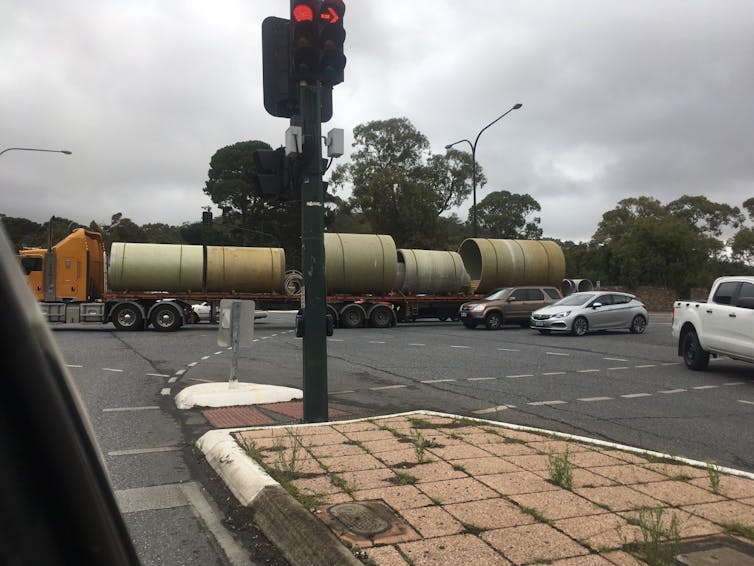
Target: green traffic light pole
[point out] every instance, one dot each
(473, 159)
(313, 257)
(65, 151)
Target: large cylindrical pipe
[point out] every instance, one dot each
(360, 263)
(156, 267)
(245, 270)
(431, 271)
(495, 263)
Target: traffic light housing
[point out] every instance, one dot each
(273, 175)
(305, 40)
(332, 35)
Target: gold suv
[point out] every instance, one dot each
(507, 305)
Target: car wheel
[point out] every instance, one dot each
(470, 325)
(493, 321)
(543, 331)
(580, 326)
(693, 355)
(638, 324)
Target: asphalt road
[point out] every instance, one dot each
(615, 386)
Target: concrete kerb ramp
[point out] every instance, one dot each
(222, 395)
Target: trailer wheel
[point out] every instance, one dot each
(127, 317)
(381, 317)
(165, 318)
(352, 316)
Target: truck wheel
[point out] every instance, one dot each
(638, 324)
(165, 318)
(352, 316)
(493, 321)
(381, 317)
(580, 326)
(693, 355)
(127, 317)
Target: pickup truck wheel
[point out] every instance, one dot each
(638, 324)
(165, 318)
(580, 326)
(493, 321)
(127, 317)
(693, 355)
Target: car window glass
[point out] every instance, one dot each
(553, 293)
(620, 299)
(604, 299)
(747, 290)
(725, 292)
(576, 299)
(519, 294)
(536, 295)
(31, 263)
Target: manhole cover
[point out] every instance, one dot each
(359, 518)
(720, 556)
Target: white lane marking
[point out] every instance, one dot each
(205, 357)
(218, 353)
(344, 392)
(113, 369)
(165, 391)
(144, 451)
(437, 380)
(670, 364)
(376, 342)
(616, 359)
(493, 409)
(192, 364)
(255, 340)
(645, 366)
(539, 403)
(417, 344)
(554, 373)
(200, 380)
(705, 387)
(734, 383)
(671, 391)
(556, 354)
(334, 339)
(180, 372)
(519, 375)
(381, 388)
(587, 370)
(617, 368)
(173, 379)
(157, 375)
(265, 337)
(461, 347)
(128, 409)
(747, 402)
(635, 395)
(273, 335)
(73, 366)
(591, 399)
(508, 350)
(480, 378)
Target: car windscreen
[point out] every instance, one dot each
(496, 295)
(576, 300)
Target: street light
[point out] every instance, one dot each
(473, 158)
(35, 149)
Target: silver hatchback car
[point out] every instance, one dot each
(580, 313)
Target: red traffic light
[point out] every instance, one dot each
(303, 13)
(332, 11)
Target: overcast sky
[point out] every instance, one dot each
(619, 98)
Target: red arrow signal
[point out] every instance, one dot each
(331, 16)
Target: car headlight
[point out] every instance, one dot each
(477, 308)
(561, 314)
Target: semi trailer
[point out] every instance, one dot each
(369, 282)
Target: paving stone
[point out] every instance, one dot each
(432, 521)
(489, 514)
(559, 504)
(517, 482)
(457, 549)
(398, 497)
(533, 543)
(454, 491)
(677, 492)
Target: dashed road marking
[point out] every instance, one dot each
(192, 364)
(493, 409)
(617, 368)
(587, 370)
(376, 342)
(344, 392)
(480, 378)
(592, 399)
(554, 373)
(519, 375)
(746, 402)
(218, 352)
(165, 391)
(157, 375)
(616, 359)
(173, 379)
(670, 364)
(734, 383)
(334, 340)
(383, 387)
(180, 372)
(556, 354)
(461, 347)
(705, 387)
(671, 391)
(508, 350)
(73, 366)
(417, 344)
(645, 366)
(113, 369)
(129, 409)
(540, 403)
(437, 380)
(144, 451)
(636, 395)
(205, 357)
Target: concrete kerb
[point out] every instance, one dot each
(294, 530)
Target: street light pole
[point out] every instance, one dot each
(65, 151)
(473, 159)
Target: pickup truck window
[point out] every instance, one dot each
(725, 292)
(536, 295)
(747, 291)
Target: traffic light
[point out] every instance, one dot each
(304, 40)
(272, 173)
(332, 35)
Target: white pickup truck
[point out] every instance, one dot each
(723, 326)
